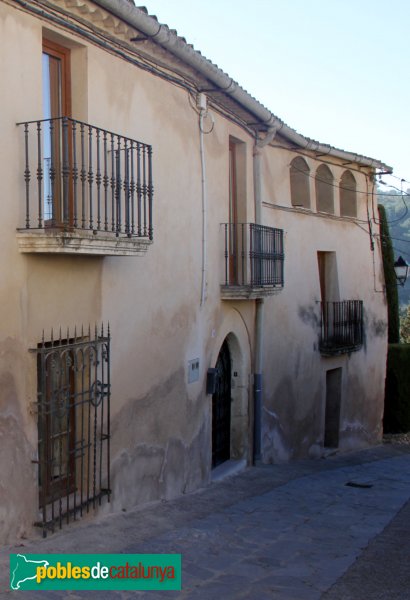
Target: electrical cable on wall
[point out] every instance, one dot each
(341, 187)
(402, 193)
(369, 221)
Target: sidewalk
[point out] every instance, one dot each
(286, 532)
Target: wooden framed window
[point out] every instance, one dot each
(56, 89)
(73, 424)
(56, 423)
(56, 80)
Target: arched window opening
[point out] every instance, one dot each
(348, 200)
(299, 183)
(324, 190)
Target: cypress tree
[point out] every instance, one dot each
(390, 279)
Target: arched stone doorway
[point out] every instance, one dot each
(231, 425)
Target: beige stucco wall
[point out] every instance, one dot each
(295, 390)
(161, 425)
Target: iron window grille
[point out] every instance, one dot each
(81, 177)
(73, 425)
(341, 326)
(253, 255)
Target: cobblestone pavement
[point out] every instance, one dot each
(286, 532)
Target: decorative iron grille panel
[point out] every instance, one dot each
(341, 326)
(221, 408)
(81, 177)
(73, 425)
(253, 255)
(266, 255)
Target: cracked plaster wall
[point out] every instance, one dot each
(294, 370)
(17, 472)
(161, 437)
(160, 445)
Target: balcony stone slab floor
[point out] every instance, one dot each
(288, 532)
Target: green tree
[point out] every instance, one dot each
(405, 325)
(397, 205)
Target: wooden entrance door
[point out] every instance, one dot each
(333, 405)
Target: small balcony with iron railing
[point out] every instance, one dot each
(341, 327)
(253, 261)
(86, 190)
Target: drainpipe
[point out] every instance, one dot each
(257, 382)
(259, 306)
(202, 105)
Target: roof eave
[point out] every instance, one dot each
(162, 35)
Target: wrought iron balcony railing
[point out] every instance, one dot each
(341, 326)
(253, 257)
(79, 177)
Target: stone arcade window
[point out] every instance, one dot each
(348, 200)
(324, 190)
(299, 183)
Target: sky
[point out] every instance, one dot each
(336, 71)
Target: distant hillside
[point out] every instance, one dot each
(398, 215)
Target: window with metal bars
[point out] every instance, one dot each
(341, 327)
(73, 425)
(254, 255)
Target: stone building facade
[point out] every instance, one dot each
(186, 280)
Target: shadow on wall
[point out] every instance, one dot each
(292, 422)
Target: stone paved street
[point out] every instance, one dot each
(286, 532)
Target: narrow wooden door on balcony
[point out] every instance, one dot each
(56, 104)
(233, 216)
(221, 409)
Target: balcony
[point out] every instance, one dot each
(87, 190)
(253, 261)
(341, 327)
